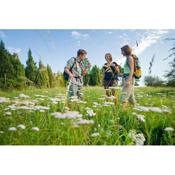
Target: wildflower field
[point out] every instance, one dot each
(43, 117)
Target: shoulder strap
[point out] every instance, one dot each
(73, 63)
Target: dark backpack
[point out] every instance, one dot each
(111, 75)
(65, 74)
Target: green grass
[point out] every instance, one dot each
(110, 122)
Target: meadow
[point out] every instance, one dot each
(43, 117)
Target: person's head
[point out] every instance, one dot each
(126, 50)
(108, 57)
(81, 54)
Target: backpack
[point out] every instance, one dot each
(137, 68)
(111, 75)
(65, 74)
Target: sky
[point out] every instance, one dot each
(55, 47)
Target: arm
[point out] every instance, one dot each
(131, 65)
(87, 66)
(68, 68)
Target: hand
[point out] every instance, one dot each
(84, 72)
(71, 77)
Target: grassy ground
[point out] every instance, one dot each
(24, 121)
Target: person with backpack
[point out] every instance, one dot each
(74, 71)
(131, 70)
(110, 77)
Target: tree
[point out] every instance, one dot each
(42, 78)
(50, 75)
(153, 81)
(19, 72)
(6, 68)
(170, 75)
(31, 68)
(95, 75)
(18, 67)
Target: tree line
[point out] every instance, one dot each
(14, 75)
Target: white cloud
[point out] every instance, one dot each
(109, 32)
(2, 34)
(151, 37)
(125, 39)
(78, 35)
(14, 50)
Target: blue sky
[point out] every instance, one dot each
(55, 47)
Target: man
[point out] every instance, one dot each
(76, 68)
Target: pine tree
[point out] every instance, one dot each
(31, 68)
(6, 68)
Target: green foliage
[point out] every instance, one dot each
(42, 78)
(94, 76)
(59, 80)
(171, 74)
(12, 73)
(111, 124)
(31, 68)
(51, 76)
(153, 81)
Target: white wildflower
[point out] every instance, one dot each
(95, 134)
(139, 139)
(84, 122)
(81, 102)
(140, 117)
(4, 100)
(74, 99)
(58, 115)
(142, 108)
(55, 100)
(108, 103)
(169, 129)
(1, 132)
(41, 107)
(35, 129)
(90, 112)
(153, 109)
(23, 96)
(73, 115)
(8, 113)
(67, 114)
(12, 129)
(21, 126)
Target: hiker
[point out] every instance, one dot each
(127, 94)
(110, 77)
(75, 69)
